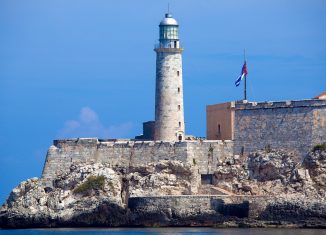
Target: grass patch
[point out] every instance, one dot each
(319, 147)
(92, 183)
(268, 148)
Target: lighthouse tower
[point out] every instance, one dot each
(169, 116)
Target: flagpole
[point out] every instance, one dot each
(245, 77)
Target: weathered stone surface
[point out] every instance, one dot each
(117, 153)
(290, 125)
(166, 194)
(315, 162)
(31, 204)
(231, 211)
(164, 178)
(267, 166)
(273, 173)
(169, 115)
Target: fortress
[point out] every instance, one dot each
(234, 129)
(237, 176)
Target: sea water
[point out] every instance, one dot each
(122, 231)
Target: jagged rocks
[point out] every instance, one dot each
(93, 195)
(32, 205)
(315, 162)
(274, 172)
(274, 188)
(273, 165)
(163, 178)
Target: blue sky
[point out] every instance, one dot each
(82, 68)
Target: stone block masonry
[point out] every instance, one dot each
(215, 207)
(169, 114)
(127, 153)
(291, 125)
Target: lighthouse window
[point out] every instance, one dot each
(179, 124)
(179, 107)
(178, 89)
(178, 73)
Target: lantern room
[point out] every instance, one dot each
(169, 35)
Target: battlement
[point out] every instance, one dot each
(242, 105)
(130, 143)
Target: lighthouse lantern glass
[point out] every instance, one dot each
(169, 32)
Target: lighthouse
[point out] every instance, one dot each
(169, 114)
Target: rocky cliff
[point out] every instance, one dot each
(94, 195)
(269, 188)
(275, 173)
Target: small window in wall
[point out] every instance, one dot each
(179, 124)
(206, 179)
(179, 107)
(178, 89)
(180, 137)
(178, 73)
(219, 129)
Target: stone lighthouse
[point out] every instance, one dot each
(169, 116)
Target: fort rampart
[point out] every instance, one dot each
(291, 125)
(237, 206)
(127, 153)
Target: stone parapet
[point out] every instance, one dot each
(242, 105)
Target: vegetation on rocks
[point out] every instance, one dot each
(320, 147)
(92, 183)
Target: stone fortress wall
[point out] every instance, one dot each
(291, 125)
(239, 206)
(207, 155)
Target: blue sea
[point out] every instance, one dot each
(123, 231)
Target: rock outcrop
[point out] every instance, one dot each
(315, 162)
(267, 188)
(163, 178)
(80, 198)
(274, 173)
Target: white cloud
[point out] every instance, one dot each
(89, 125)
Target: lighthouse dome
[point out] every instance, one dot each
(168, 20)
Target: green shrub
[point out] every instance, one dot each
(194, 161)
(319, 147)
(268, 148)
(92, 183)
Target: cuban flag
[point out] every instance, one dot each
(244, 72)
